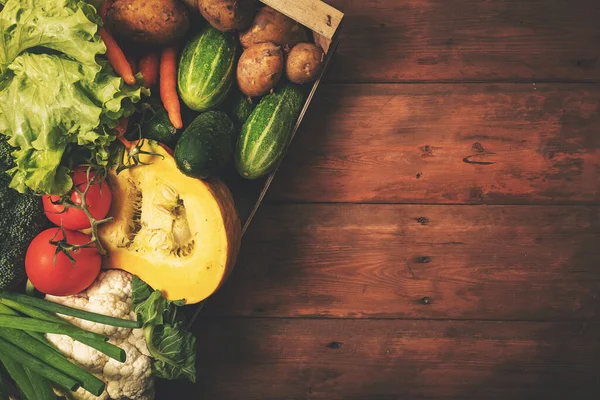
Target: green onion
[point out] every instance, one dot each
(99, 344)
(41, 385)
(69, 311)
(36, 335)
(8, 351)
(107, 348)
(18, 374)
(61, 367)
(36, 325)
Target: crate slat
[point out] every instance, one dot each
(314, 14)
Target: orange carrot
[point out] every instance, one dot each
(131, 59)
(120, 131)
(116, 57)
(149, 68)
(104, 9)
(168, 85)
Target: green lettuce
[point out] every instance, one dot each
(58, 97)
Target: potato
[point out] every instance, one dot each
(259, 69)
(228, 15)
(148, 22)
(304, 63)
(270, 25)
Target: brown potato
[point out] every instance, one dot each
(270, 25)
(228, 15)
(304, 63)
(148, 22)
(259, 69)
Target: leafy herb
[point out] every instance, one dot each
(170, 344)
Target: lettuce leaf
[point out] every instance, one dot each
(171, 345)
(58, 98)
(67, 26)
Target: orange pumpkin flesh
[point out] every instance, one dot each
(178, 234)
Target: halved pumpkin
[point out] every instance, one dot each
(178, 234)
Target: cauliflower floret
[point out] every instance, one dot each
(118, 284)
(128, 380)
(82, 394)
(109, 295)
(137, 339)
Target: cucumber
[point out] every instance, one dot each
(156, 125)
(266, 134)
(238, 107)
(206, 145)
(207, 68)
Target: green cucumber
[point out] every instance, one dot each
(266, 134)
(239, 107)
(156, 125)
(207, 68)
(206, 145)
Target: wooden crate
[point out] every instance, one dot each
(325, 23)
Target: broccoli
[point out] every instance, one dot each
(21, 219)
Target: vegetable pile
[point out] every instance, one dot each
(29, 357)
(120, 122)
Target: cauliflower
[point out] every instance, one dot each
(109, 295)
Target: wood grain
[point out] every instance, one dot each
(454, 143)
(252, 359)
(400, 261)
(316, 15)
(467, 40)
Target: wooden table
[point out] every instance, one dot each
(434, 231)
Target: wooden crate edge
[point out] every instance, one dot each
(316, 15)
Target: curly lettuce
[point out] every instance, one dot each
(58, 97)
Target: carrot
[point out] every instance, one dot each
(168, 85)
(120, 131)
(149, 68)
(114, 53)
(116, 57)
(104, 9)
(131, 59)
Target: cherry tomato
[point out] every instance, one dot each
(98, 200)
(63, 278)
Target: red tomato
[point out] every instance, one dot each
(63, 278)
(98, 201)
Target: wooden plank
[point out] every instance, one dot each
(429, 143)
(440, 40)
(317, 15)
(412, 261)
(252, 359)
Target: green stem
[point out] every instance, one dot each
(54, 366)
(97, 343)
(36, 325)
(69, 311)
(41, 385)
(109, 349)
(36, 335)
(18, 374)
